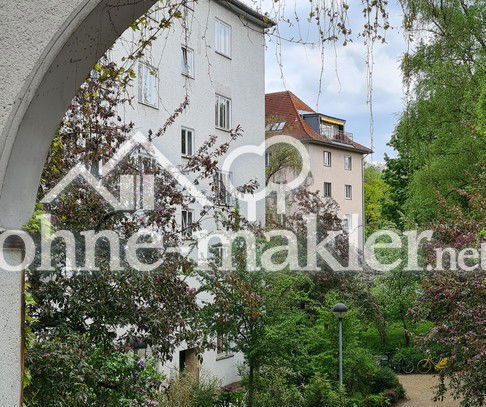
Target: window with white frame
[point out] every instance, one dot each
(348, 163)
(223, 112)
(347, 222)
(348, 191)
(268, 156)
(327, 158)
(148, 85)
(187, 142)
(222, 347)
(187, 61)
(327, 189)
(187, 219)
(222, 38)
(222, 196)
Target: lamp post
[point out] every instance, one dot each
(340, 310)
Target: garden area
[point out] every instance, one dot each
(82, 326)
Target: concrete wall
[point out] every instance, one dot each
(47, 48)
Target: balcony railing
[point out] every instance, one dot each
(343, 137)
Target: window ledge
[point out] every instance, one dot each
(223, 129)
(223, 55)
(148, 105)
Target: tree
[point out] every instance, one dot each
(376, 199)
(454, 300)
(101, 305)
(440, 135)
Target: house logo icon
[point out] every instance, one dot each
(136, 191)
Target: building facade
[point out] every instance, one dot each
(336, 161)
(214, 58)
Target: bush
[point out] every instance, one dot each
(376, 400)
(411, 355)
(275, 389)
(383, 379)
(190, 391)
(71, 371)
(319, 392)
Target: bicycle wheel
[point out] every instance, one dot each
(424, 366)
(407, 366)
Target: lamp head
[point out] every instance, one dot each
(340, 310)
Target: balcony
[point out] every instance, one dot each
(342, 137)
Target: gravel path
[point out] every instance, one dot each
(419, 392)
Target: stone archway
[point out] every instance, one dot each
(48, 49)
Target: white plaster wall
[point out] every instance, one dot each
(240, 78)
(10, 330)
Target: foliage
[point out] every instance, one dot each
(376, 199)
(319, 392)
(274, 389)
(189, 390)
(441, 135)
(385, 379)
(79, 373)
(454, 300)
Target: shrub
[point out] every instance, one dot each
(275, 389)
(190, 390)
(384, 378)
(319, 392)
(376, 400)
(71, 371)
(412, 355)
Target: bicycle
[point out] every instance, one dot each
(404, 366)
(427, 365)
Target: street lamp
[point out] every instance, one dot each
(340, 311)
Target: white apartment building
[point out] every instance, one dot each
(215, 56)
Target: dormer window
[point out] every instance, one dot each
(329, 130)
(275, 126)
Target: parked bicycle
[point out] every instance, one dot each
(427, 365)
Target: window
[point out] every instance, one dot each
(187, 220)
(348, 162)
(148, 85)
(276, 126)
(222, 38)
(187, 142)
(222, 348)
(268, 156)
(327, 189)
(329, 130)
(220, 254)
(222, 196)
(347, 222)
(327, 158)
(187, 62)
(348, 191)
(223, 112)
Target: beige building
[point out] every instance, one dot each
(336, 161)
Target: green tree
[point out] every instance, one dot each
(376, 199)
(440, 136)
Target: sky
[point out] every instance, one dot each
(344, 86)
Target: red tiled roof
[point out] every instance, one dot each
(285, 106)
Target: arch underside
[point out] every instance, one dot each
(90, 28)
